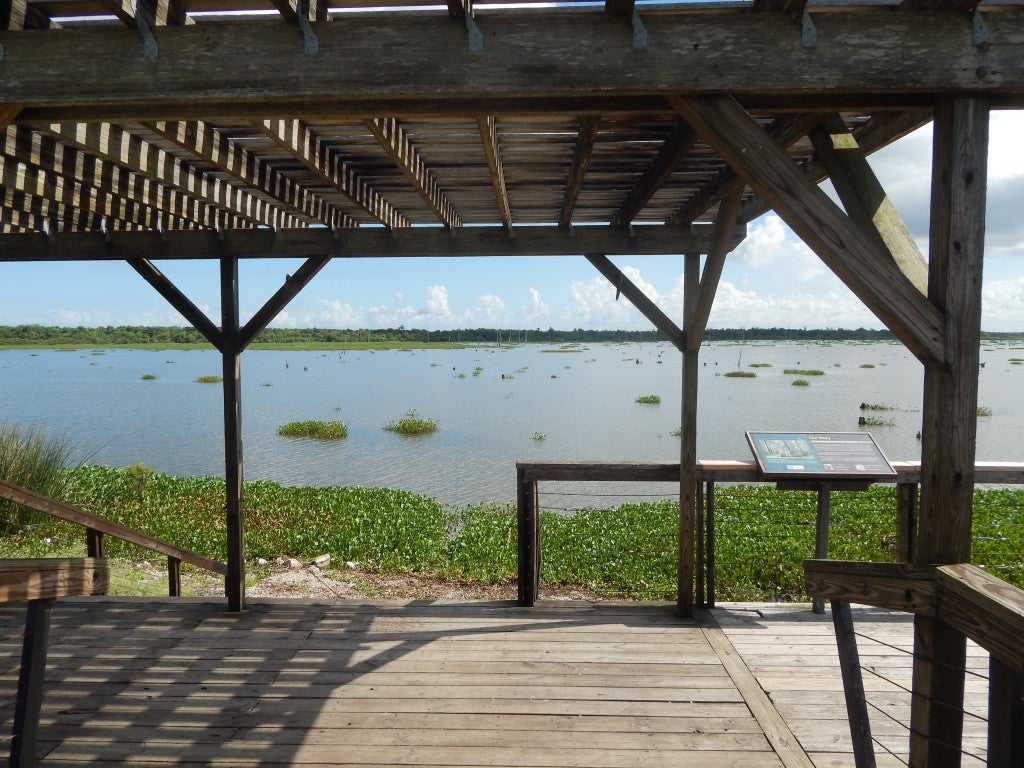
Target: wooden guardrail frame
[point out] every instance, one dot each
(97, 526)
(975, 603)
(709, 472)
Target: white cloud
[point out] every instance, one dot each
(536, 313)
(1003, 305)
(736, 308)
(594, 304)
(437, 304)
(771, 244)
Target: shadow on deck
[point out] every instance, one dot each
(185, 683)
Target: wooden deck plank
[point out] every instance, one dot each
(462, 684)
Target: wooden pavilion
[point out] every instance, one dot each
(234, 129)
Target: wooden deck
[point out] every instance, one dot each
(182, 682)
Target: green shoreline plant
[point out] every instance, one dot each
(740, 375)
(804, 372)
(649, 400)
(321, 430)
(412, 425)
(209, 379)
(762, 534)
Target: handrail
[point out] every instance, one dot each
(726, 470)
(97, 526)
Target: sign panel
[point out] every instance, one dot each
(819, 456)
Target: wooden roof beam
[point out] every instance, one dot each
(195, 316)
(585, 140)
(155, 13)
(395, 141)
(786, 131)
(235, 63)
(118, 146)
(295, 137)
(881, 130)
(312, 10)
(202, 140)
(489, 139)
(855, 258)
(676, 147)
(275, 304)
(639, 299)
(18, 14)
(723, 242)
(364, 242)
(8, 114)
(864, 199)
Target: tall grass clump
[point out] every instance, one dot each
(649, 400)
(209, 380)
(740, 374)
(33, 459)
(412, 425)
(803, 372)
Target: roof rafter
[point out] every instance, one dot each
(158, 13)
(119, 146)
(204, 141)
(27, 212)
(395, 141)
(585, 140)
(15, 175)
(676, 147)
(318, 156)
(489, 138)
(36, 149)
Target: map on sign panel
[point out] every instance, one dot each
(819, 455)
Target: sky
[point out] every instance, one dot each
(771, 279)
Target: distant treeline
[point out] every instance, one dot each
(47, 336)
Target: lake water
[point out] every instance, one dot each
(489, 402)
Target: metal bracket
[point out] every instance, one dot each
(979, 29)
(2, 53)
(808, 32)
(476, 37)
(104, 230)
(640, 36)
(311, 41)
(149, 47)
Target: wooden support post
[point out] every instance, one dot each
(1005, 716)
(30, 683)
(699, 523)
(234, 581)
(93, 542)
(173, 577)
(688, 447)
(906, 521)
(529, 539)
(956, 245)
(821, 522)
(853, 685)
(709, 517)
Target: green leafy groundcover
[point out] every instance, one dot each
(762, 534)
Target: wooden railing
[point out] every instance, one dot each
(709, 473)
(97, 527)
(972, 602)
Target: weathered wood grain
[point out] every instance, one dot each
(49, 578)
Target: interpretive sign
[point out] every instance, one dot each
(819, 456)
